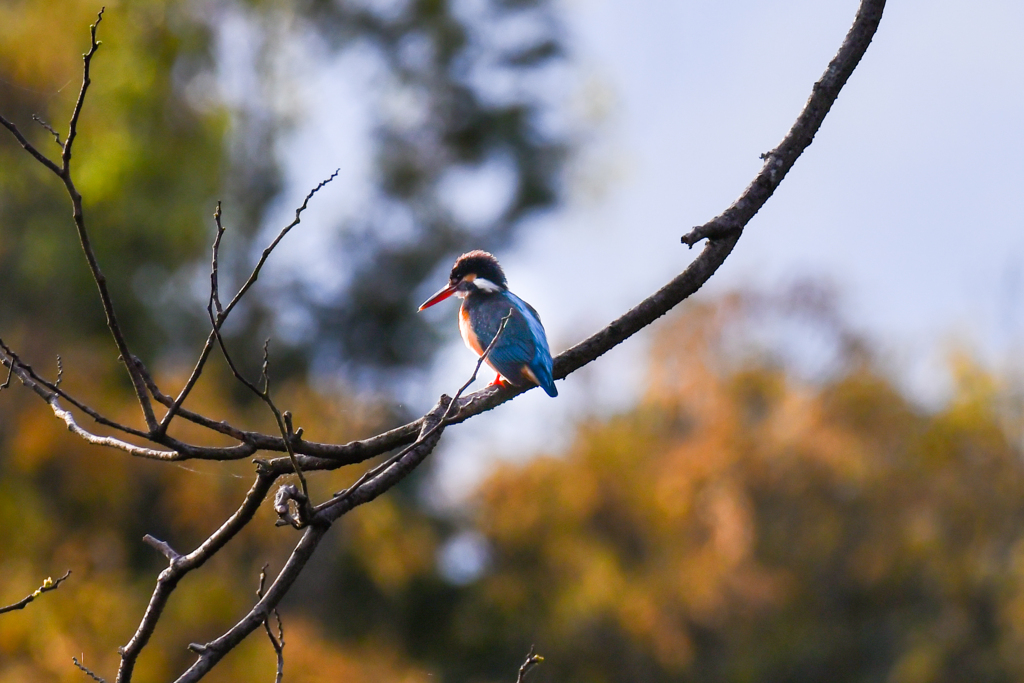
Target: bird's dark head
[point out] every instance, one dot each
(478, 265)
(474, 271)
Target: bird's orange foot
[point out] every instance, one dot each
(499, 381)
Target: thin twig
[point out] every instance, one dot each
(221, 315)
(215, 265)
(532, 660)
(165, 548)
(64, 173)
(86, 81)
(48, 585)
(29, 147)
(48, 390)
(86, 671)
(281, 423)
(277, 642)
(174, 407)
(44, 124)
(10, 369)
(79, 216)
(217, 321)
(218, 314)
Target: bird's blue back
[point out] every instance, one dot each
(522, 344)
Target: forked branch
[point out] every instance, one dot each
(532, 660)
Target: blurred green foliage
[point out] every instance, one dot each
(147, 164)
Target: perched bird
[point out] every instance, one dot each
(521, 354)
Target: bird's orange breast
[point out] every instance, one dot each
(468, 335)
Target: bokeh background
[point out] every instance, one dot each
(811, 471)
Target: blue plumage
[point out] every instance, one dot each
(521, 353)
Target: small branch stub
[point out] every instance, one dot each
(165, 549)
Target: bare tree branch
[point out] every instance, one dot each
(48, 585)
(86, 82)
(44, 124)
(10, 369)
(277, 240)
(282, 424)
(212, 652)
(221, 315)
(180, 565)
(778, 162)
(165, 548)
(86, 671)
(532, 660)
(64, 173)
(28, 146)
(48, 390)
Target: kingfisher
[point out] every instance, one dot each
(521, 354)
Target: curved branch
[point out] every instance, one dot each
(780, 160)
(722, 233)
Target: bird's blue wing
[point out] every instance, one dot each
(539, 358)
(515, 348)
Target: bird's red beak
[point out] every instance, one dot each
(440, 296)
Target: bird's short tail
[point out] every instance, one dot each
(547, 383)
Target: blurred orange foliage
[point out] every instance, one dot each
(738, 524)
(741, 524)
